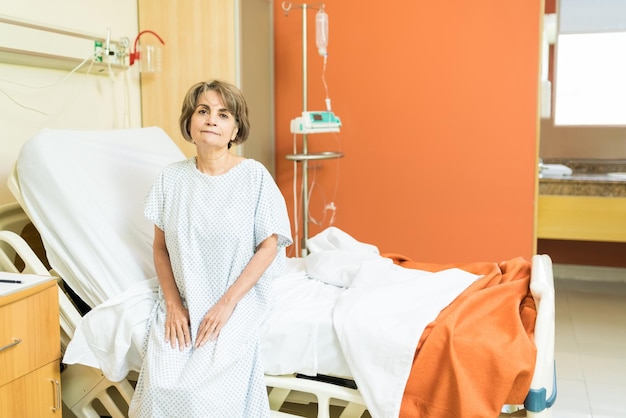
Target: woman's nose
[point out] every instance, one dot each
(211, 119)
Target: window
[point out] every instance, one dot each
(590, 63)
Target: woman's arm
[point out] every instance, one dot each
(177, 316)
(217, 316)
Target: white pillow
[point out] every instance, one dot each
(336, 267)
(333, 238)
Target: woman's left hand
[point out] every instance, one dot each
(213, 322)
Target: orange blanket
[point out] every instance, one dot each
(479, 353)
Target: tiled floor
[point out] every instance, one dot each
(590, 349)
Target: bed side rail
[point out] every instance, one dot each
(69, 316)
(542, 394)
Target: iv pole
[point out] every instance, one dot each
(305, 162)
(304, 157)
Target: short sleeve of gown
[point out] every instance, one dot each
(154, 203)
(271, 213)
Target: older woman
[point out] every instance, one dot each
(221, 228)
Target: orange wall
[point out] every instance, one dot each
(438, 102)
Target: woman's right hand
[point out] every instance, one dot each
(177, 330)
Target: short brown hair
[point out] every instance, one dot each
(233, 100)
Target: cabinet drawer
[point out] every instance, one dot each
(584, 218)
(37, 394)
(29, 333)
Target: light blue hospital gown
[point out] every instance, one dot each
(212, 226)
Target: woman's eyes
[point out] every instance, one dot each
(222, 115)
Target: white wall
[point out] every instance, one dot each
(33, 98)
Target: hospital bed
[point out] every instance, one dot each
(83, 191)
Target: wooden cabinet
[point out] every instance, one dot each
(30, 353)
(584, 218)
(231, 40)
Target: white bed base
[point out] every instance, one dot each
(86, 392)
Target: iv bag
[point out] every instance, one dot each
(321, 32)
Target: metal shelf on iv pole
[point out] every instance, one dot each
(304, 157)
(326, 155)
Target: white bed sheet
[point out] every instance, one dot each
(299, 335)
(297, 338)
(368, 331)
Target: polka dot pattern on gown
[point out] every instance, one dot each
(212, 226)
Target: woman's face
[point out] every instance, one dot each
(211, 123)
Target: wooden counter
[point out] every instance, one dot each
(585, 218)
(589, 205)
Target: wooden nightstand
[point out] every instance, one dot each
(30, 352)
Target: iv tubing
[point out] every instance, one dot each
(295, 199)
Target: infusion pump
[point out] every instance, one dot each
(312, 122)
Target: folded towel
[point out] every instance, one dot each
(555, 170)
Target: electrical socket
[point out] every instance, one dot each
(123, 50)
(116, 55)
(98, 51)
